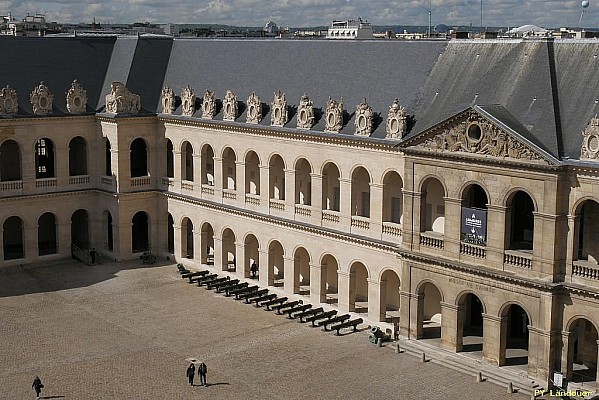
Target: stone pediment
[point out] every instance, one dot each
(478, 133)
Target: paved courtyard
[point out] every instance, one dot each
(124, 331)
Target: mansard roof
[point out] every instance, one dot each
(545, 90)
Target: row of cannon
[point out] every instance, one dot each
(252, 294)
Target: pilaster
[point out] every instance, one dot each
(316, 180)
(496, 234)
(376, 310)
(345, 204)
(376, 210)
(289, 275)
(317, 292)
(343, 290)
(451, 326)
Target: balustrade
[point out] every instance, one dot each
(46, 182)
(391, 228)
(252, 199)
(303, 210)
(78, 180)
(360, 222)
(140, 181)
(517, 259)
(431, 239)
(473, 250)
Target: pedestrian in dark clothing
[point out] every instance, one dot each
(254, 269)
(37, 385)
(92, 255)
(191, 372)
(202, 370)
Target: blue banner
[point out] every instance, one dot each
(474, 225)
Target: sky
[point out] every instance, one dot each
(307, 13)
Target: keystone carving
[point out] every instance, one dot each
(120, 100)
(396, 121)
(188, 101)
(168, 100)
(363, 119)
(230, 106)
(254, 113)
(278, 114)
(334, 115)
(76, 98)
(41, 99)
(209, 105)
(9, 103)
(305, 113)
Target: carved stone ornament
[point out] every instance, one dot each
(230, 106)
(278, 114)
(168, 100)
(254, 113)
(396, 121)
(120, 100)
(41, 99)
(590, 141)
(334, 115)
(479, 136)
(9, 103)
(363, 119)
(305, 113)
(188, 101)
(76, 98)
(209, 105)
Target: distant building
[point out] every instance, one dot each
(271, 28)
(351, 29)
(170, 29)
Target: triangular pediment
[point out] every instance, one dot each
(481, 132)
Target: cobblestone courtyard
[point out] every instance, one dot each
(123, 331)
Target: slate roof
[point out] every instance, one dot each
(546, 91)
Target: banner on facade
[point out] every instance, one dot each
(474, 225)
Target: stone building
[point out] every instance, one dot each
(453, 186)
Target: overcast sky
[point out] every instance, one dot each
(300, 13)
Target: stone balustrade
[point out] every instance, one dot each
(45, 182)
(252, 199)
(431, 239)
(278, 205)
(517, 259)
(303, 210)
(391, 228)
(360, 222)
(140, 181)
(187, 185)
(229, 194)
(79, 180)
(585, 269)
(473, 250)
(331, 216)
(208, 190)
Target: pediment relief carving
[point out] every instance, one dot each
(363, 119)
(168, 100)
(188, 101)
(76, 98)
(278, 114)
(305, 113)
(208, 105)
(334, 116)
(590, 141)
(41, 99)
(254, 109)
(230, 106)
(120, 100)
(476, 135)
(9, 103)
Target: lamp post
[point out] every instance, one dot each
(430, 9)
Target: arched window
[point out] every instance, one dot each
(252, 173)
(77, 156)
(392, 197)
(207, 165)
(44, 159)
(330, 187)
(433, 207)
(80, 229)
(187, 162)
(522, 222)
(10, 161)
(229, 169)
(360, 192)
(303, 182)
(107, 158)
(170, 163)
(13, 238)
(139, 158)
(140, 232)
(46, 234)
(276, 177)
(474, 215)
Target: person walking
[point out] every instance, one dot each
(191, 372)
(202, 370)
(92, 255)
(254, 269)
(37, 385)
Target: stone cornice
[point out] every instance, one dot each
(368, 242)
(482, 160)
(285, 133)
(46, 119)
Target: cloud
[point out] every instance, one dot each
(306, 13)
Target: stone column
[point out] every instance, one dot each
(376, 210)
(197, 243)
(265, 277)
(290, 193)
(411, 219)
(451, 326)
(63, 237)
(177, 173)
(61, 161)
(496, 233)
(567, 358)
(317, 293)
(316, 182)
(264, 189)
(240, 182)
(404, 313)
(376, 310)
(95, 230)
(289, 282)
(345, 196)
(197, 175)
(178, 239)
(453, 218)
(30, 245)
(343, 290)
(218, 180)
(494, 339)
(416, 316)
(218, 254)
(539, 349)
(240, 260)
(572, 244)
